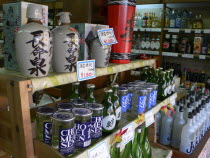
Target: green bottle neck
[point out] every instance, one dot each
(108, 96)
(75, 89)
(90, 92)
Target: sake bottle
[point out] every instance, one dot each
(115, 151)
(208, 113)
(187, 136)
(136, 148)
(144, 142)
(178, 124)
(158, 119)
(196, 126)
(127, 153)
(75, 91)
(90, 97)
(188, 109)
(177, 105)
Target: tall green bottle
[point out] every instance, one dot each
(136, 148)
(116, 103)
(115, 151)
(172, 79)
(90, 97)
(144, 142)
(168, 82)
(75, 91)
(149, 74)
(162, 89)
(109, 116)
(155, 76)
(127, 153)
(143, 75)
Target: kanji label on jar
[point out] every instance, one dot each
(149, 118)
(86, 70)
(107, 37)
(99, 151)
(129, 135)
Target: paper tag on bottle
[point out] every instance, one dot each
(187, 30)
(197, 31)
(202, 57)
(107, 36)
(187, 56)
(101, 150)
(86, 70)
(149, 118)
(206, 31)
(129, 135)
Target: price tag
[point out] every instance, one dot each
(188, 56)
(149, 118)
(154, 52)
(170, 54)
(197, 31)
(148, 29)
(155, 29)
(86, 70)
(174, 30)
(99, 151)
(206, 31)
(107, 36)
(142, 29)
(187, 30)
(202, 57)
(129, 135)
(135, 29)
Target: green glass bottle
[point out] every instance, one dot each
(116, 102)
(168, 82)
(127, 153)
(136, 148)
(109, 116)
(90, 97)
(172, 79)
(144, 142)
(149, 74)
(162, 91)
(155, 76)
(115, 151)
(143, 75)
(75, 91)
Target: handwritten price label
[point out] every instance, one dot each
(86, 70)
(99, 151)
(107, 37)
(149, 118)
(129, 135)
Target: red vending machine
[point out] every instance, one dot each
(121, 14)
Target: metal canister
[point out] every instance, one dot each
(43, 123)
(97, 117)
(63, 132)
(65, 106)
(154, 93)
(78, 102)
(122, 93)
(82, 127)
(142, 100)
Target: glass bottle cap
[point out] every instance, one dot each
(115, 85)
(46, 110)
(117, 145)
(94, 106)
(90, 86)
(82, 112)
(108, 90)
(65, 106)
(63, 116)
(78, 101)
(76, 83)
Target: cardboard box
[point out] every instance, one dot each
(197, 45)
(14, 17)
(85, 30)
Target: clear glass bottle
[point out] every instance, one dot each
(173, 19)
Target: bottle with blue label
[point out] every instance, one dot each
(43, 124)
(154, 92)
(78, 102)
(97, 118)
(83, 119)
(123, 96)
(65, 106)
(179, 19)
(141, 101)
(109, 116)
(149, 97)
(63, 132)
(129, 97)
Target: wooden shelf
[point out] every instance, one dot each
(184, 1)
(57, 79)
(42, 148)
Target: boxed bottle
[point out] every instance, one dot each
(197, 45)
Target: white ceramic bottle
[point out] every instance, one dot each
(158, 119)
(65, 45)
(196, 128)
(188, 109)
(33, 44)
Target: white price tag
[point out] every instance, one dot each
(187, 30)
(142, 29)
(99, 151)
(148, 29)
(197, 31)
(155, 29)
(152, 52)
(202, 57)
(174, 30)
(135, 29)
(172, 98)
(149, 118)
(129, 135)
(107, 37)
(86, 70)
(170, 54)
(206, 31)
(187, 56)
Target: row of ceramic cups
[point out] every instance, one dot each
(36, 46)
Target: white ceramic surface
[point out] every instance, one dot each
(34, 11)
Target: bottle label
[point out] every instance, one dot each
(172, 23)
(143, 45)
(96, 128)
(178, 22)
(173, 87)
(141, 104)
(118, 112)
(129, 100)
(144, 23)
(150, 100)
(66, 141)
(83, 134)
(47, 136)
(153, 45)
(169, 89)
(109, 122)
(154, 98)
(157, 45)
(166, 91)
(147, 44)
(123, 103)
(165, 45)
